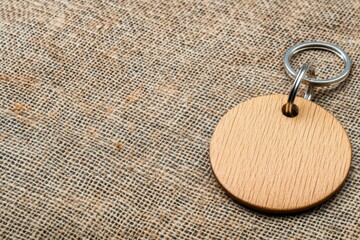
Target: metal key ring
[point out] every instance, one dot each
(289, 109)
(322, 46)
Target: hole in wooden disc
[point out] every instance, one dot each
(293, 113)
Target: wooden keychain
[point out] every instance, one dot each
(275, 154)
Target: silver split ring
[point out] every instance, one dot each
(322, 46)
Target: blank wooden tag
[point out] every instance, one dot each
(275, 163)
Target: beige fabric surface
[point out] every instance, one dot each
(107, 109)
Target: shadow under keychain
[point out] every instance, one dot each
(277, 154)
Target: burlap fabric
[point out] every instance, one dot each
(107, 109)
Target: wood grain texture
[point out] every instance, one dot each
(278, 164)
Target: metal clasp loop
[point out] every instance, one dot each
(289, 109)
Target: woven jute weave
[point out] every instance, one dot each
(107, 109)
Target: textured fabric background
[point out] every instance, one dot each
(107, 109)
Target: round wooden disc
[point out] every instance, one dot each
(279, 164)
